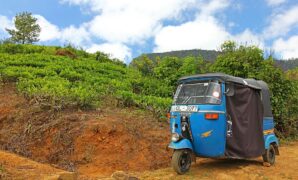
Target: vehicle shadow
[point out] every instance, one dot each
(226, 164)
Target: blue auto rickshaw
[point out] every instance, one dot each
(218, 115)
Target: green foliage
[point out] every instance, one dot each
(292, 113)
(26, 29)
(281, 94)
(102, 57)
(292, 74)
(58, 81)
(248, 62)
(228, 46)
(144, 64)
(242, 61)
(169, 69)
(28, 49)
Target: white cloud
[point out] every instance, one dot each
(282, 23)
(201, 34)
(49, 31)
(204, 33)
(287, 48)
(5, 23)
(133, 21)
(214, 6)
(116, 50)
(249, 38)
(77, 36)
(275, 2)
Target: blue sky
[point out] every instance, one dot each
(127, 28)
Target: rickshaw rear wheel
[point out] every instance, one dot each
(181, 160)
(269, 155)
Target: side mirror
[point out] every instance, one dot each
(230, 89)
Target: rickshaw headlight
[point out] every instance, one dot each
(175, 137)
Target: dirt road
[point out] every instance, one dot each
(286, 167)
(18, 168)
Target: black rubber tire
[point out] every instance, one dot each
(269, 155)
(181, 161)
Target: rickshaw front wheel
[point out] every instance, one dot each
(181, 160)
(269, 155)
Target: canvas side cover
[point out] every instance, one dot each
(246, 112)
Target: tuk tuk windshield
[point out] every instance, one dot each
(198, 93)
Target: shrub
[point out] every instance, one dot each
(65, 52)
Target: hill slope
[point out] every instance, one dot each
(59, 78)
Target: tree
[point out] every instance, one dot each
(168, 70)
(241, 61)
(26, 29)
(193, 65)
(143, 64)
(249, 62)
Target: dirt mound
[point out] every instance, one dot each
(89, 142)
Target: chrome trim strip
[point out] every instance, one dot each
(211, 111)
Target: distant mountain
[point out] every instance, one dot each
(210, 55)
(287, 64)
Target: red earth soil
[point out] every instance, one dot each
(90, 142)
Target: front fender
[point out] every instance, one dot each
(182, 144)
(270, 139)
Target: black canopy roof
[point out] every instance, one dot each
(252, 83)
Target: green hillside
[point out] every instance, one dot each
(60, 78)
(211, 55)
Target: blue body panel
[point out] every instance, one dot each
(268, 123)
(208, 135)
(270, 138)
(182, 144)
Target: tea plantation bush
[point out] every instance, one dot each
(83, 80)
